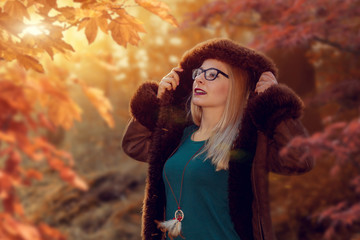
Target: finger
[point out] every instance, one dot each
(176, 78)
(260, 84)
(268, 76)
(176, 75)
(171, 81)
(260, 89)
(167, 83)
(178, 69)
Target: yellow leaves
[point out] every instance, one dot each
(125, 28)
(101, 103)
(160, 9)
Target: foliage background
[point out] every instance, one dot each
(316, 46)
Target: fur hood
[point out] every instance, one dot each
(228, 51)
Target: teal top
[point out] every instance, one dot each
(204, 198)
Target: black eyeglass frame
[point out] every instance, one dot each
(205, 70)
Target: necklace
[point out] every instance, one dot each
(173, 226)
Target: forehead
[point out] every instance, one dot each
(208, 63)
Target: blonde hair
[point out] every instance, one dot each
(218, 146)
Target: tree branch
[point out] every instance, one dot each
(338, 46)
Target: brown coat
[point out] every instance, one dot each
(270, 121)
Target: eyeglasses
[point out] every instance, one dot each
(210, 73)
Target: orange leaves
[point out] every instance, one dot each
(103, 23)
(11, 228)
(101, 103)
(91, 15)
(16, 9)
(48, 232)
(62, 110)
(30, 102)
(13, 96)
(91, 26)
(91, 30)
(160, 9)
(29, 62)
(67, 174)
(7, 137)
(125, 29)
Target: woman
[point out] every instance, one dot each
(208, 166)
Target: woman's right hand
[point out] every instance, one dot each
(169, 82)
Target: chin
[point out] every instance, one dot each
(197, 102)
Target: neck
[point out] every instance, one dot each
(209, 118)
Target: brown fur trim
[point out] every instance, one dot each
(240, 190)
(167, 135)
(144, 105)
(248, 132)
(230, 52)
(274, 105)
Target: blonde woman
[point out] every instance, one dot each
(211, 131)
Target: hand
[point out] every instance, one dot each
(266, 80)
(169, 82)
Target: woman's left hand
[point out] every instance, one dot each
(266, 80)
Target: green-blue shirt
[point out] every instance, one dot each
(204, 198)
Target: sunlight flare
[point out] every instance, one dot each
(35, 30)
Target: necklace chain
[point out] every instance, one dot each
(182, 179)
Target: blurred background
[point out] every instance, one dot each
(316, 46)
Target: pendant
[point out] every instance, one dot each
(179, 215)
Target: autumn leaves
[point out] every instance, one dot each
(51, 21)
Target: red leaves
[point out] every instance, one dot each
(340, 215)
(341, 142)
(290, 23)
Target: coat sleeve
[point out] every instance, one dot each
(276, 112)
(136, 141)
(144, 108)
(297, 160)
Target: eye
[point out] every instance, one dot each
(211, 74)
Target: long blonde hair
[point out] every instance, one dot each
(218, 146)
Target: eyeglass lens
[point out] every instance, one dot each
(210, 74)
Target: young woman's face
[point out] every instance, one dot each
(211, 94)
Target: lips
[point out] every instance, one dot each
(199, 91)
